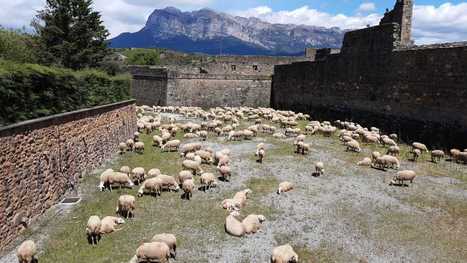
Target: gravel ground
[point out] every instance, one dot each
(350, 214)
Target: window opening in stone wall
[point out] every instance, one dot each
(234, 67)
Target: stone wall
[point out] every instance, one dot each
(418, 92)
(218, 90)
(40, 160)
(149, 85)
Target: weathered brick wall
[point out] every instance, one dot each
(218, 90)
(41, 159)
(418, 92)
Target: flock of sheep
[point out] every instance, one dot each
(226, 122)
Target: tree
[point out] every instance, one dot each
(71, 34)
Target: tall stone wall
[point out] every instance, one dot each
(218, 90)
(149, 85)
(419, 92)
(41, 159)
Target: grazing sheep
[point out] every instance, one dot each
(139, 147)
(252, 223)
(365, 162)
(242, 196)
(136, 137)
(402, 176)
(203, 134)
(168, 183)
(206, 156)
(130, 144)
(122, 147)
(172, 145)
(394, 150)
(305, 148)
(225, 172)
(137, 175)
(93, 230)
(279, 135)
(126, 206)
(152, 186)
(26, 252)
(284, 254)
(109, 223)
(436, 155)
(190, 147)
(394, 136)
(386, 141)
(353, 146)
(109, 178)
(218, 155)
(188, 186)
(157, 141)
(462, 158)
(235, 135)
(170, 240)
(374, 156)
(420, 146)
(416, 153)
(153, 252)
(455, 154)
(319, 168)
(386, 161)
(182, 176)
(233, 226)
(193, 165)
(207, 180)
(285, 187)
(260, 152)
(125, 170)
(190, 136)
(154, 172)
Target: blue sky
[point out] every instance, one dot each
(434, 20)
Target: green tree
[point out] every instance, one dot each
(71, 34)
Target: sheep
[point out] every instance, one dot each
(416, 153)
(242, 196)
(168, 183)
(375, 155)
(170, 240)
(279, 135)
(218, 155)
(151, 186)
(188, 186)
(203, 134)
(402, 176)
(154, 172)
(125, 170)
(235, 135)
(206, 156)
(252, 223)
(93, 230)
(225, 172)
(182, 176)
(157, 141)
(248, 135)
(285, 187)
(109, 178)
(365, 162)
(26, 252)
(233, 226)
(353, 146)
(319, 168)
(284, 254)
(130, 144)
(190, 147)
(231, 204)
(193, 165)
(126, 206)
(153, 252)
(393, 150)
(139, 147)
(387, 141)
(109, 223)
(190, 136)
(137, 175)
(386, 161)
(122, 147)
(436, 155)
(455, 154)
(223, 160)
(172, 145)
(420, 146)
(305, 148)
(260, 152)
(207, 180)
(462, 158)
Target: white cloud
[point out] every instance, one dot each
(367, 7)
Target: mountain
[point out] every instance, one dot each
(207, 31)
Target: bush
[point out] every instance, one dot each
(29, 91)
(17, 46)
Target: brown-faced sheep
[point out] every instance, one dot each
(436, 155)
(225, 172)
(93, 230)
(188, 187)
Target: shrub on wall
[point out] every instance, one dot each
(29, 91)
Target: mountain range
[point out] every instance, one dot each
(210, 32)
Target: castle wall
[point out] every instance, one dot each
(419, 92)
(51, 154)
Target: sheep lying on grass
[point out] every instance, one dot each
(284, 254)
(233, 226)
(109, 223)
(252, 223)
(285, 187)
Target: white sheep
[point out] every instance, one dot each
(126, 206)
(193, 165)
(233, 226)
(139, 147)
(188, 187)
(319, 168)
(122, 147)
(157, 141)
(109, 223)
(170, 240)
(365, 162)
(284, 254)
(207, 180)
(154, 172)
(402, 176)
(225, 172)
(26, 252)
(242, 196)
(172, 145)
(437, 155)
(152, 186)
(109, 178)
(353, 146)
(252, 223)
(285, 187)
(137, 175)
(153, 252)
(168, 183)
(93, 228)
(130, 144)
(420, 146)
(190, 147)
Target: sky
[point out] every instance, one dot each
(435, 21)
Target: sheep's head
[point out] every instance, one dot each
(247, 191)
(234, 213)
(119, 221)
(261, 218)
(293, 259)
